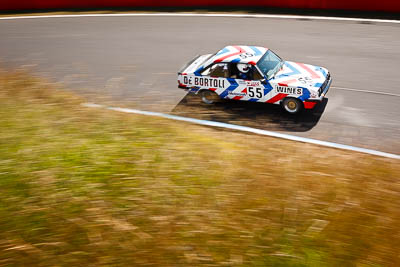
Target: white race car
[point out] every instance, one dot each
(252, 73)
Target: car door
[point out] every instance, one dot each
(247, 88)
(215, 78)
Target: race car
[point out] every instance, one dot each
(256, 74)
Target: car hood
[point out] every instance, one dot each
(300, 75)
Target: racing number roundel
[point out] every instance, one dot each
(256, 92)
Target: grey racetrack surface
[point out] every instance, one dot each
(134, 60)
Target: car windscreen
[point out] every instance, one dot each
(270, 64)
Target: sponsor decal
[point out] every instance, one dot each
(236, 94)
(204, 81)
(255, 92)
(253, 83)
(288, 90)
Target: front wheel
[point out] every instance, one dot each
(292, 105)
(209, 97)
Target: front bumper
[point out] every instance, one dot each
(323, 90)
(310, 103)
(327, 86)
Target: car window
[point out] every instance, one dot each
(252, 74)
(217, 70)
(257, 75)
(270, 63)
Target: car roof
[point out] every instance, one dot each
(239, 54)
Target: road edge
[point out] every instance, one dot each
(246, 129)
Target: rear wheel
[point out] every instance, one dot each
(292, 105)
(209, 97)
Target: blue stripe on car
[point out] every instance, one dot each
(267, 88)
(293, 69)
(194, 89)
(317, 85)
(232, 87)
(257, 52)
(305, 95)
(223, 51)
(198, 71)
(321, 70)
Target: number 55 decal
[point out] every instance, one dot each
(257, 92)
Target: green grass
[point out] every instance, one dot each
(85, 187)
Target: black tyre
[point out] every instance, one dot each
(209, 97)
(292, 105)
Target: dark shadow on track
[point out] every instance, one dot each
(251, 114)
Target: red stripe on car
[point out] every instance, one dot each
(276, 98)
(285, 83)
(309, 105)
(314, 75)
(240, 50)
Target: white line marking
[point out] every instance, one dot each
(247, 129)
(166, 14)
(365, 91)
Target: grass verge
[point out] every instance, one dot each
(97, 188)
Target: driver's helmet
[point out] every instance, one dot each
(243, 67)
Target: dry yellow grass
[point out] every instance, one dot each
(84, 187)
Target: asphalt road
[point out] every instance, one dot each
(134, 60)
